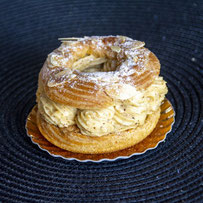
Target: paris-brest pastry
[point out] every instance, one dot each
(99, 94)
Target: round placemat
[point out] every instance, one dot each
(171, 172)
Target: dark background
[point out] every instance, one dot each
(29, 31)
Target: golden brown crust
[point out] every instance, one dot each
(144, 80)
(71, 139)
(81, 96)
(82, 91)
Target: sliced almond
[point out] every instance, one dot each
(69, 39)
(138, 44)
(121, 91)
(64, 72)
(123, 38)
(52, 83)
(135, 59)
(116, 48)
(87, 62)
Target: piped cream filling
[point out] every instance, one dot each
(130, 110)
(55, 113)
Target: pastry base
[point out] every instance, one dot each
(71, 139)
(158, 134)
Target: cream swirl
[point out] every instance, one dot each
(150, 99)
(128, 116)
(96, 122)
(55, 113)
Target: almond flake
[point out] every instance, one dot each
(116, 48)
(69, 39)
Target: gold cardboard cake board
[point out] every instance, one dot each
(163, 127)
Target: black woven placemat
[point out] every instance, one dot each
(170, 173)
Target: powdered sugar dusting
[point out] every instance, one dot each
(127, 52)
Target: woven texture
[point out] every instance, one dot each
(170, 173)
